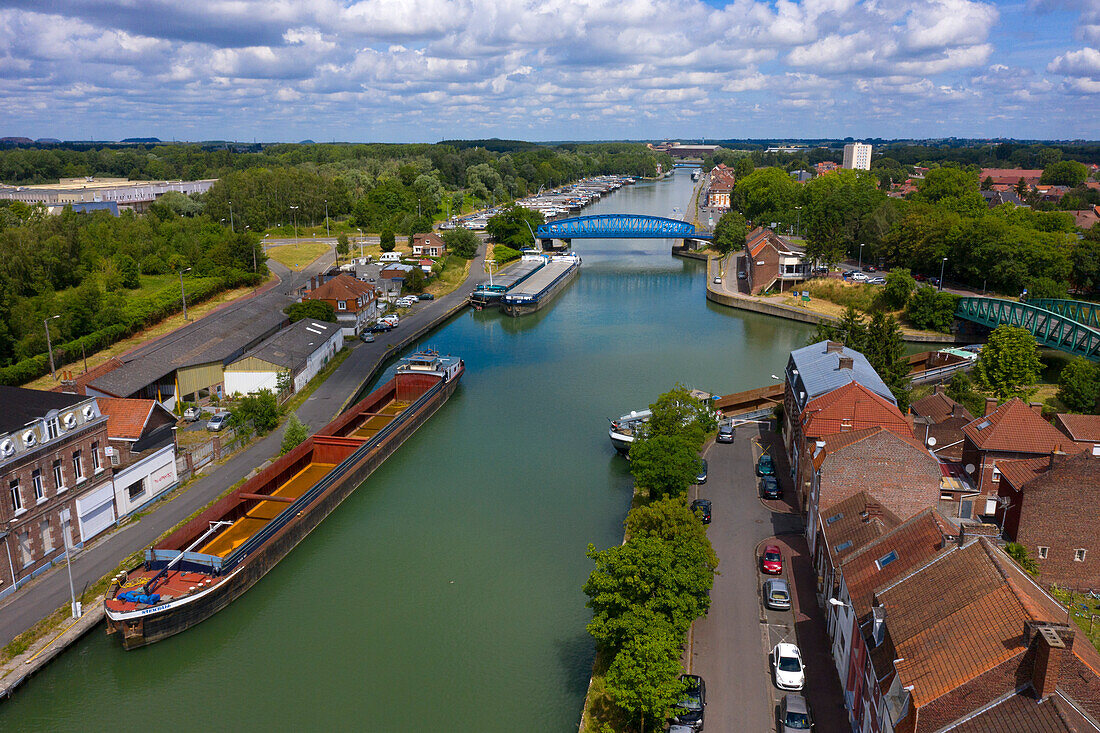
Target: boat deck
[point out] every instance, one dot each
(377, 420)
(543, 278)
(234, 535)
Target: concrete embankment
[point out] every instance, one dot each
(19, 668)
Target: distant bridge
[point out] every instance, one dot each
(1066, 325)
(620, 226)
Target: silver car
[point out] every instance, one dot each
(794, 714)
(777, 594)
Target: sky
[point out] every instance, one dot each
(426, 70)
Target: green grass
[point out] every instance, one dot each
(1083, 616)
(298, 255)
(861, 297)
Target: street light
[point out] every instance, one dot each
(860, 268)
(798, 227)
(942, 263)
(327, 233)
(231, 229)
(839, 603)
(183, 295)
(360, 242)
(49, 346)
(295, 215)
(75, 609)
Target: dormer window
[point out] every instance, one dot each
(53, 429)
(341, 305)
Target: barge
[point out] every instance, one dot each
(213, 559)
(551, 279)
(487, 295)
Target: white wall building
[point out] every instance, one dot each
(141, 482)
(300, 350)
(857, 156)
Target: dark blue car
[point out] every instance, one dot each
(765, 466)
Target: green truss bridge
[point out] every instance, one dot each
(1068, 325)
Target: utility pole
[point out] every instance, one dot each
(294, 210)
(327, 232)
(49, 346)
(183, 295)
(231, 229)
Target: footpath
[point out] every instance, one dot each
(50, 592)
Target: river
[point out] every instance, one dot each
(445, 594)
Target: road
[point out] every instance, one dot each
(51, 591)
(729, 647)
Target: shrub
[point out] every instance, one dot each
(503, 253)
(860, 297)
(932, 310)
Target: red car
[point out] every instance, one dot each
(771, 562)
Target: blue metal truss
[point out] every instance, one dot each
(619, 226)
(1058, 330)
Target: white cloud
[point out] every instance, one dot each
(1085, 62)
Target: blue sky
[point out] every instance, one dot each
(423, 70)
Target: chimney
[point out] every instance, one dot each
(833, 347)
(956, 410)
(312, 282)
(1037, 407)
(1051, 648)
(990, 405)
(846, 362)
(970, 532)
(940, 389)
(1056, 456)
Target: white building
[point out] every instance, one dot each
(142, 451)
(300, 351)
(124, 192)
(857, 156)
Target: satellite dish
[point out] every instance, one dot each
(931, 442)
(969, 468)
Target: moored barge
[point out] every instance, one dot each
(206, 564)
(559, 271)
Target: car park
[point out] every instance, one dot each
(367, 337)
(701, 476)
(218, 422)
(192, 413)
(777, 594)
(702, 508)
(794, 714)
(787, 669)
(771, 562)
(765, 466)
(725, 434)
(769, 488)
(689, 711)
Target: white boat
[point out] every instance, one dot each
(622, 431)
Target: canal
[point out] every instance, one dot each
(445, 594)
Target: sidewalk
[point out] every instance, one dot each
(823, 689)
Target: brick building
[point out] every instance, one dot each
(1013, 430)
(56, 483)
(142, 451)
(355, 302)
(1084, 430)
(941, 418)
(773, 259)
(1051, 505)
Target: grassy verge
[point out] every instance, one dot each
(298, 255)
(304, 394)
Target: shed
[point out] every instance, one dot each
(299, 350)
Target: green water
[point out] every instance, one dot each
(445, 594)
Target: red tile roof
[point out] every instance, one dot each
(851, 407)
(939, 407)
(1022, 711)
(1083, 428)
(342, 287)
(126, 418)
(1014, 427)
(851, 524)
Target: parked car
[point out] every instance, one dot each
(859, 276)
(820, 271)
(701, 476)
(689, 711)
(717, 279)
(848, 273)
(765, 466)
(876, 281)
(702, 508)
(777, 594)
(218, 421)
(725, 434)
(769, 488)
(391, 319)
(771, 562)
(380, 327)
(425, 296)
(192, 413)
(742, 275)
(367, 337)
(787, 668)
(870, 268)
(794, 713)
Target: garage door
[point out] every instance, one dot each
(95, 512)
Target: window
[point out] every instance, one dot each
(95, 458)
(886, 559)
(136, 489)
(16, 499)
(58, 475)
(996, 473)
(24, 540)
(834, 518)
(39, 485)
(78, 467)
(1043, 552)
(341, 305)
(52, 428)
(1079, 554)
(843, 546)
(47, 540)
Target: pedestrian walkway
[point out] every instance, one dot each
(823, 689)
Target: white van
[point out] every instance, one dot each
(390, 257)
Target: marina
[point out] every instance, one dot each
(553, 203)
(549, 280)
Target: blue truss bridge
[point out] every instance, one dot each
(1067, 325)
(619, 226)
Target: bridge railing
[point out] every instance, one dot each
(1077, 311)
(620, 226)
(1049, 327)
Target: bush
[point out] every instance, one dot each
(860, 297)
(932, 310)
(1079, 386)
(462, 242)
(318, 310)
(899, 288)
(260, 410)
(503, 253)
(294, 435)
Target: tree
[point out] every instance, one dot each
(987, 183)
(952, 188)
(1022, 557)
(341, 243)
(1008, 365)
(1086, 261)
(1045, 287)
(1065, 173)
(318, 310)
(835, 213)
(664, 464)
(644, 678)
(415, 281)
(677, 412)
(767, 196)
(1079, 386)
(513, 226)
(743, 167)
(899, 288)
(462, 242)
(387, 241)
(503, 253)
(128, 272)
(961, 389)
(931, 310)
(885, 351)
(294, 435)
(260, 410)
(729, 233)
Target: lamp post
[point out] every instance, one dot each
(231, 229)
(942, 263)
(295, 215)
(183, 295)
(327, 233)
(74, 608)
(798, 227)
(360, 242)
(860, 268)
(49, 346)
